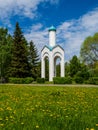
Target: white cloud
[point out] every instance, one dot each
(27, 8)
(70, 34)
(38, 35)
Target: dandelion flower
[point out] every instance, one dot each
(1, 119)
(1, 124)
(92, 129)
(37, 126)
(22, 123)
(96, 124)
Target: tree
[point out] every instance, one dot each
(33, 60)
(67, 69)
(83, 72)
(5, 53)
(89, 49)
(94, 70)
(74, 66)
(19, 64)
(47, 69)
(58, 70)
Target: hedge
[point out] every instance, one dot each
(40, 80)
(21, 80)
(93, 80)
(78, 80)
(62, 80)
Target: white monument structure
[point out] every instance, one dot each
(52, 52)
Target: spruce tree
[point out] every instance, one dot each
(33, 60)
(19, 65)
(5, 53)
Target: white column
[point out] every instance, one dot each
(62, 67)
(51, 67)
(52, 38)
(42, 68)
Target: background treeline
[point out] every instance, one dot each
(18, 58)
(85, 68)
(20, 63)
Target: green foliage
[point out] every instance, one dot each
(77, 70)
(95, 69)
(89, 49)
(5, 52)
(48, 108)
(33, 60)
(19, 65)
(26, 80)
(78, 79)
(58, 80)
(92, 80)
(40, 80)
(17, 59)
(67, 69)
(46, 69)
(74, 66)
(58, 70)
(62, 80)
(84, 72)
(82, 75)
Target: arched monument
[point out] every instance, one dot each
(52, 52)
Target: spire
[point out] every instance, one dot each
(52, 28)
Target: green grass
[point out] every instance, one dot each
(48, 108)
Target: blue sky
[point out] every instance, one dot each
(73, 19)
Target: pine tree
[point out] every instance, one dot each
(5, 53)
(33, 60)
(19, 65)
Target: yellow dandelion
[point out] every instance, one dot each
(2, 125)
(6, 119)
(22, 123)
(37, 126)
(1, 109)
(1, 119)
(11, 117)
(96, 124)
(14, 112)
(9, 108)
(92, 129)
(87, 128)
(51, 115)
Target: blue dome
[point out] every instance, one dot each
(52, 28)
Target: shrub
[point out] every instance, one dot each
(96, 80)
(62, 80)
(78, 79)
(84, 74)
(68, 80)
(58, 80)
(28, 80)
(93, 80)
(21, 80)
(40, 80)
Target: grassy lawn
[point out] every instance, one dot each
(48, 108)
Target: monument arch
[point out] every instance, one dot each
(52, 51)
